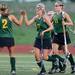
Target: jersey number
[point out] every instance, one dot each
(4, 23)
(56, 20)
(38, 26)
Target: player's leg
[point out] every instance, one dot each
(9, 43)
(38, 52)
(55, 48)
(39, 61)
(57, 41)
(71, 60)
(69, 55)
(11, 49)
(55, 51)
(55, 55)
(52, 59)
(12, 59)
(47, 57)
(63, 61)
(47, 45)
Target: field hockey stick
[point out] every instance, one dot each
(65, 40)
(42, 46)
(42, 52)
(65, 45)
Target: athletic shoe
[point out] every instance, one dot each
(42, 73)
(62, 69)
(73, 69)
(53, 70)
(13, 72)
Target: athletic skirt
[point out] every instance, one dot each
(59, 38)
(43, 43)
(6, 41)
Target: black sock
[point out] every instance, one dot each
(51, 58)
(61, 61)
(60, 58)
(53, 64)
(41, 65)
(55, 61)
(60, 65)
(12, 62)
(70, 58)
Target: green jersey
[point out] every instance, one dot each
(57, 22)
(41, 26)
(5, 27)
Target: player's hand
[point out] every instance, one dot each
(64, 23)
(42, 34)
(35, 17)
(22, 12)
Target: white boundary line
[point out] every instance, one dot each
(17, 62)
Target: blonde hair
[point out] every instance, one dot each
(59, 3)
(41, 6)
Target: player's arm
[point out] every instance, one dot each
(51, 18)
(29, 22)
(15, 20)
(47, 20)
(69, 21)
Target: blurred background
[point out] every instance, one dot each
(25, 36)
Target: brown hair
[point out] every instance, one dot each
(3, 7)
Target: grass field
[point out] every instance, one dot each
(25, 65)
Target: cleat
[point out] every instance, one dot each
(13, 73)
(55, 68)
(73, 69)
(62, 70)
(54, 71)
(62, 67)
(42, 73)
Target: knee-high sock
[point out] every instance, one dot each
(60, 58)
(12, 62)
(71, 60)
(61, 61)
(41, 65)
(51, 58)
(54, 60)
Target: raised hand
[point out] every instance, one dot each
(23, 12)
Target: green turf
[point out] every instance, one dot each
(25, 65)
